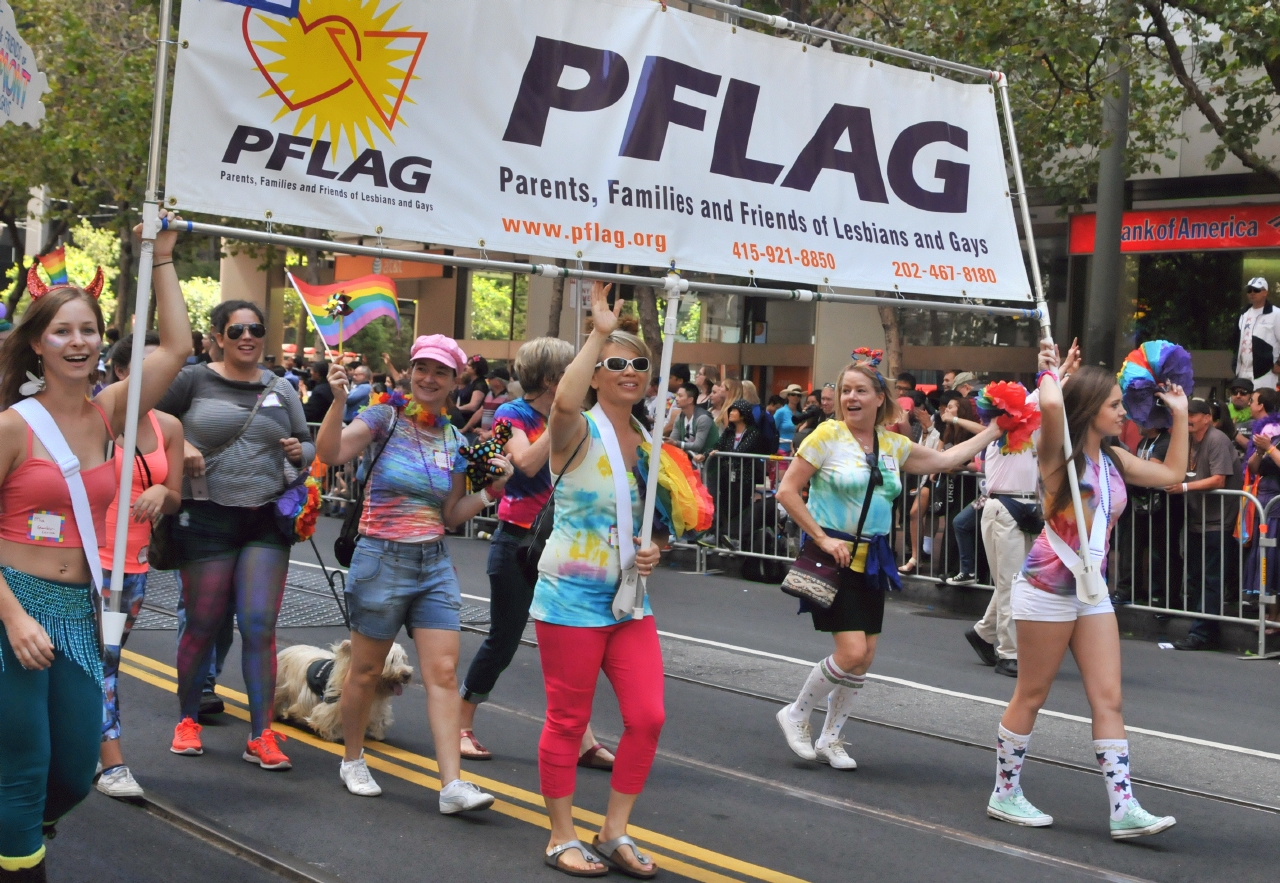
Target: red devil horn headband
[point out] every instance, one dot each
(38, 288)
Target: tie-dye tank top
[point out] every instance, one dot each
(1043, 568)
(579, 568)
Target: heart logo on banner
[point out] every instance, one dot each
(330, 58)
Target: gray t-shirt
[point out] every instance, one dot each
(253, 471)
(1215, 455)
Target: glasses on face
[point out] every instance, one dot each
(617, 363)
(236, 331)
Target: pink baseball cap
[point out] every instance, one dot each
(443, 349)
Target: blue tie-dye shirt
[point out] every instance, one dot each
(579, 568)
(409, 482)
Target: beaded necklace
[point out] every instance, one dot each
(422, 455)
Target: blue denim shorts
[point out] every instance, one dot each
(411, 585)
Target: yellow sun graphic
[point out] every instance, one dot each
(339, 68)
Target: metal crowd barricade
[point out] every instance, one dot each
(337, 483)
(1194, 555)
(748, 522)
(927, 509)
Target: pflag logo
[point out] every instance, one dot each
(342, 66)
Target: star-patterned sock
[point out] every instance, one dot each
(1113, 757)
(1011, 751)
(839, 706)
(824, 678)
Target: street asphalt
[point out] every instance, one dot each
(726, 799)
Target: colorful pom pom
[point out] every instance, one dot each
(1149, 368)
(1006, 403)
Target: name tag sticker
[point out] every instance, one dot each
(888, 461)
(442, 460)
(271, 400)
(613, 536)
(45, 526)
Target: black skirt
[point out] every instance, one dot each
(857, 607)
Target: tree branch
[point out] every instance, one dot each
(1246, 156)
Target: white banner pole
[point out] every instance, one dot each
(113, 621)
(673, 285)
(1002, 84)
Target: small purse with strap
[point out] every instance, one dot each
(814, 575)
(529, 551)
(344, 547)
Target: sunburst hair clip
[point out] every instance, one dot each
(39, 289)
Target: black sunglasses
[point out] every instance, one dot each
(236, 331)
(617, 363)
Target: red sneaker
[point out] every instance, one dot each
(186, 738)
(265, 753)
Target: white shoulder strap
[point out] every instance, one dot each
(621, 490)
(46, 429)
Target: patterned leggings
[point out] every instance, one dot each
(250, 581)
(131, 595)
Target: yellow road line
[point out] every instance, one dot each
(645, 837)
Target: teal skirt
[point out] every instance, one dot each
(65, 611)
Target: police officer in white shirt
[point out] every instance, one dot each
(1257, 353)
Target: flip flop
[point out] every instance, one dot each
(472, 749)
(909, 567)
(589, 759)
(552, 859)
(609, 847)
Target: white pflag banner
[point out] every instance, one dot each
(606, 130)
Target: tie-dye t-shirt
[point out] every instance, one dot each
(1043, 568)
(839, 485)
(411, 479)
(579, 568)
(523, 497)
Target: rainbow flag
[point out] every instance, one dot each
(55, 264)
(369, 297)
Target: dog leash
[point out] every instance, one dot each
(331, 577)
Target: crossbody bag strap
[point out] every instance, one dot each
(872, 472)
(360, 486)
(537, 522)
(243, 429)
(46, 429)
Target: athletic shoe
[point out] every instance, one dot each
(1018, 810)
(834, 755)
(1007, 667)
(962, 578)
(986, 651)
(459, 796)
(119, 783)
(186, 738)
(266, 753)
(1194, 642)
(799, 737)
(1137, 822)
(355, 775)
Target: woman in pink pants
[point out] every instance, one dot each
(578, 634)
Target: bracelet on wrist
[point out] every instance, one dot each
(484, 495)
(159, 264)
(1041, 375)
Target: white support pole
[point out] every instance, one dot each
(673, 285)
(1002, 83)
(113, 620)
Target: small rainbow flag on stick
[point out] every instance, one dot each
(367, 298)
(55, 264)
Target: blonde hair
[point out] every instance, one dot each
(888, 412)
(732, 392)
(541, 362)
(750, 393)
(629, 341)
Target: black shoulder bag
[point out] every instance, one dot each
(529, 552)
(345, 545)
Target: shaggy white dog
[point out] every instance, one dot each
(309, 684)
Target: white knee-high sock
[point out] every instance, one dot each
(1011, 752)
(1113, 757)
(839, 707)
(824, 678)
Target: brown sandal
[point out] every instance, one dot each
(471, 748)
(591, 760)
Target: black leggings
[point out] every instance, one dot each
(509, 598)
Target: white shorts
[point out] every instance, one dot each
(1038, 605)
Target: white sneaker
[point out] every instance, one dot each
(834, 754)
(459, 796)
(799, 737)
(355, 775)
(119, 783)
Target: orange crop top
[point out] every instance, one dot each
(35, 502)
(148, 471)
